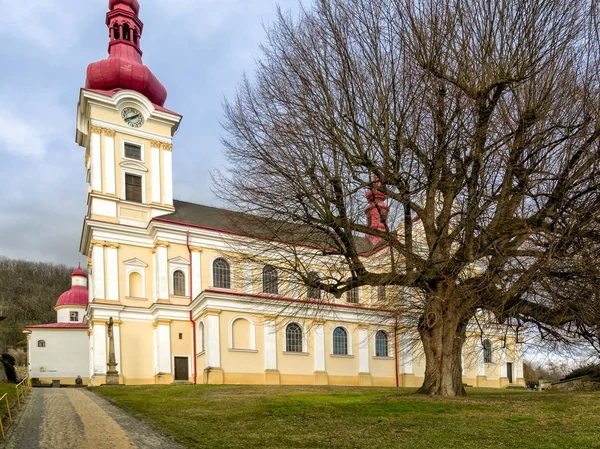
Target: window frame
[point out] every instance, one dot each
(487, 348)
(302, 339)
(142, 187)
(135, 266)
(387, 343)
(137, 144)
(309, 289)
(212, 268)
(275, 279)
(348, 341)
(76, 315)
(183, 291)
(355, 292)
(41, 343)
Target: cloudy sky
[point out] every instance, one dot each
(198, 49)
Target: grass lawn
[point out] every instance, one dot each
(12, 396)
(346, 417)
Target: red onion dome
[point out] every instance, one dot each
(79, 272)
(76, 296)
(124, 69)
(131, 4)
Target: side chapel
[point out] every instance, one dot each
(185, 309)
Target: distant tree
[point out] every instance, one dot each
(479, 122)
(28, 293)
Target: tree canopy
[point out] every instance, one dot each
(477, 120)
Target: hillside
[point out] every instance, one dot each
(28, 292)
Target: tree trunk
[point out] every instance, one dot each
(443, 333)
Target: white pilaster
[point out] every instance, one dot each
(363, 350)
(117, 337)
(99, 333)
(163, 336)
(98, 271)
(112, 274)
(155, 167)
(96, 168)
(109, 164)
(407, 356)
(503, 372)
(212, 344)
(196, 274)
(162, 273)
(167, 178)
(270, 345)
(293, 286)
(319, 347)
(519, 361)
(155, 336)
(247, 276)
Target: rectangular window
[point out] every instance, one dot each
(133, 188)
(133, 151)
(74, 316)
(352, 296)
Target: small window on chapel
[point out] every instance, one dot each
(133, 151)
(133, 188)
(41, 343)
(74, 316)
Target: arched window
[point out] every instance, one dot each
(311, 291)
(126, 33)
(340, 341)
(116, 32)
(352, 296)
(242, 334)
(178, 283)
(487, 351)
(293, 338)
(135, 285)
(381, 344)
(381, 293)
(221, 274)
(200, 337)
(135, 37)
(269, 280)
(41, 343)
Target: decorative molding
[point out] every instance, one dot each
(111, 245)
(89, 262)
(135, 262)
(167, 146)
(95, 129)
(97, 243)
(109, 132)
(196, 249)
(161, 244)
(136, 166)
(179, 261)
(155, 144)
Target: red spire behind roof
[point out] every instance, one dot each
(376, 211)
(123, 69)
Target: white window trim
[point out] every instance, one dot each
(358, 295)
(200, 338)
(138, 144)
(252, 332)
(135, 266)
(262, 280)
(212, 274)
(348, 334)
(304, 339)
(389, 344)
(128, 168)
(183, 266)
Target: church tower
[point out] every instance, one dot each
(126, 131)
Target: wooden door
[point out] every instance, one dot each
(181, 368)
(509, 372)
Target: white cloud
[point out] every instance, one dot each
(45, 23)
(29, 124)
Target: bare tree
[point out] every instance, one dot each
(476, 120)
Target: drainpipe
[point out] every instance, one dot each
(396, 350)
(194, 358)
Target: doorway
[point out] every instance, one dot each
(509, 372)
(181, 369)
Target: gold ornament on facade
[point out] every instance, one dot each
(196, 249)
(95, 129)
(167, 146)
(155, 144)
(109, 132)
(161, 244)
(111, 245)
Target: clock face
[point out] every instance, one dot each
(132, 117)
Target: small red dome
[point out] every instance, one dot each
(79, 272)
(132, 4)
(77, 296)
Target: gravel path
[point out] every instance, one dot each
(64, 418)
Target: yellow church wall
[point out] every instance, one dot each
(128, 252)
(104, 114)
(242, 360)
(137, 352)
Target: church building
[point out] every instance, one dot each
(186, 304)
